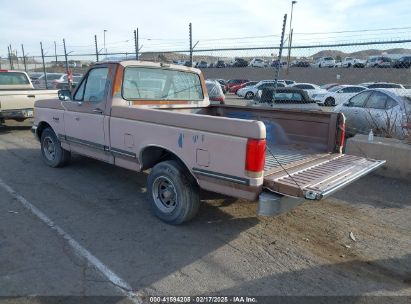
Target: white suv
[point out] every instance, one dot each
(258, 63)
(325, 62)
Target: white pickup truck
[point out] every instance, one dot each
(17, 95)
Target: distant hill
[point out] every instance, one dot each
(361, 54)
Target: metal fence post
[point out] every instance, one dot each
(44, 65)
(136, 42)
(55, 52)
(190, 29)
(10, 59)
(66, 61)
(95, 41)
(24, 58)
(280, 52)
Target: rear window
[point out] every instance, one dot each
(328, 58)
(13, 78)
(161, 84)
(51, 76)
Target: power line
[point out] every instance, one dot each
(354, 31)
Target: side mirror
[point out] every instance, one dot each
(64, 95)
(347, 104)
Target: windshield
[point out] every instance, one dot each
(13, 78)
(334, 89)
(161, 84)
(328, 58)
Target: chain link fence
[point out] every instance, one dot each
(350, 62)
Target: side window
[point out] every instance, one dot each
(80, 92)
(377, 101)
(391, 103)
(359, 100)
(96, 85)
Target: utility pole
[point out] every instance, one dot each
(104, 42)
(67, 68)
(44, 65)
(10, 59)
(55, 51)
(290, 36)
(24, 58)
(190, 29)
(280, 52)
(95, 41)
(136, 42)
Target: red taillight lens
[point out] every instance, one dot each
(341, 134)
(255, 156)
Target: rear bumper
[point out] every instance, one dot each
(272, 204)
(16, 114)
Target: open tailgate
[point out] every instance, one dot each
(315, 177)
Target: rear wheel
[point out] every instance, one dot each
(174, 193)
(249, 95)
(53, 154)
(329, 102)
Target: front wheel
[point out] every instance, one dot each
(174, 193)
(53, 154)
(249, 95)
(329, 102)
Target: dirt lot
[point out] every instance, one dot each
(226, 250)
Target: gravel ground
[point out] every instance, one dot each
(225, 250)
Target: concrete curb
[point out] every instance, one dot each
(395, 152)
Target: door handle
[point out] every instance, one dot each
(98, 110)
(77, 118)
(31, 96)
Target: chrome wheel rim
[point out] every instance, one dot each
(164, 194)
(49, 148)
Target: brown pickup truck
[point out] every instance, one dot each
(142, 115)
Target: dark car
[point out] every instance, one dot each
(287, 98)
(403, 62)
(240, 63)
(301, 64)
(220, 64)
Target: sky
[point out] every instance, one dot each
(216, 23)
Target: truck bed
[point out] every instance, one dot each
(301, 159)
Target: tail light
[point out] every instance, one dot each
(341, 133)
(255, 157)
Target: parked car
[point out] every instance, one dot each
(250, 91)
(379, 62)
(310, 88)
(404, 62)
(286, 98)
(52, 80)
(370, 62)
(300, 64)
(352, 62)
(17, 96)
(288, 82)
(215, 93)
(382, 85)
(235, 88)
(325, 62)
(328, 86)
(240, 63)
(65, 86)
(337, 95)
(202, 64)
(144, 122)
(219, 64)
(380, 110)
(233, 82)
(276, 63)
(258, 63)
(35, 75)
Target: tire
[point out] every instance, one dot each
(53, 154)
(320, 65)
(249, 95)
(348, 65)
(329, 102)
(174, 192)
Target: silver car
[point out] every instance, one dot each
(52, 80)
(386, 113)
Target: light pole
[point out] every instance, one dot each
(290, 35)
(104, 42)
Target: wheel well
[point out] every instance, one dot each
(41, 127)
(152, 155)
